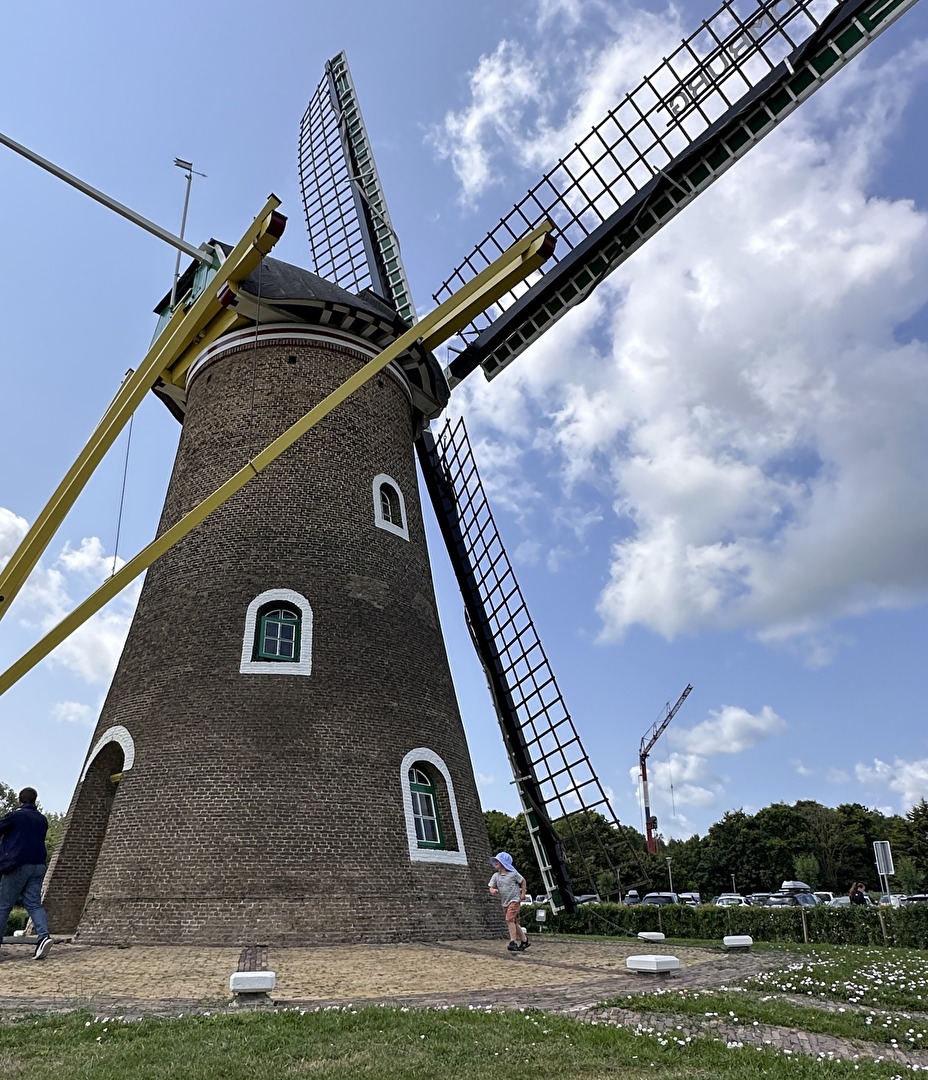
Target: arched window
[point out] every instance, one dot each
(425, 809)
(389, 506)
(433, 826)
(278, 635)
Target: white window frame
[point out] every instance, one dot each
(379, 520)
(304, 665)
(429, 854)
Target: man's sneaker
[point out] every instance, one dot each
(512, 947)
(525, 945)
(42, 947)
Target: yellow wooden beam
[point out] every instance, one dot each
(223, 323)
(498, 279)
(526, 254)
(181, 332)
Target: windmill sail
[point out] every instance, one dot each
(351, 237)
(353, 244)
(727, 85)
(562, 797)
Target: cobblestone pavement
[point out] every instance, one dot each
(559, 975)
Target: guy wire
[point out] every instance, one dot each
(122, 494)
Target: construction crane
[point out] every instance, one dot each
(646, 746)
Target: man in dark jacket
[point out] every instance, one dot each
(22, 866)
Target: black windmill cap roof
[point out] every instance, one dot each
(311, 299)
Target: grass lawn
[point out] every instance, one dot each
(381, 1042)
(884, 994)
(897, 1029)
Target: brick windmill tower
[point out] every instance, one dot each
(280, 755)
(293, 764)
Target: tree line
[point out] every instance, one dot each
(827, 847)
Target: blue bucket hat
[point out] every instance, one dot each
(505, 860)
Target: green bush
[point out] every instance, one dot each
(851, 925)
(908, 926)
(17, 921)
(833, 926)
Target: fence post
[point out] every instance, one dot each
(883, 926)
(805, 926)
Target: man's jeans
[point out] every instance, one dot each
(26, 882)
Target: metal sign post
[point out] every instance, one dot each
(884, 862)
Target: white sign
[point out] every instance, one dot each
(884, 858)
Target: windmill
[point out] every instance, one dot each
(319, 789)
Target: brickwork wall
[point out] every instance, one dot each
(72, 866)
(266, 807)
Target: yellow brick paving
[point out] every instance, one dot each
(560, 975)
(336, 973)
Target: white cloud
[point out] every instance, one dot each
(736, 399)
(503, 84)
(485, 780)
(12, 530)
(525, 113)
(832, 775)
(53, 590)
(74, 712)
(89, 559)
(909, 779)
(730, 730)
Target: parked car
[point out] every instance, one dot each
(691, 898)
(793, 899)
(661, 898)
(731, 900)
(845, 901)
(541, 898)
(892, 899)
(632, 898)
(824, 897)
(587, 898)
(758, 899)
(799, 894)
(794, 887)
(916, 898)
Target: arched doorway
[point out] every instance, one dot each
(72, 866)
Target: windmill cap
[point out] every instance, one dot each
(505, 860)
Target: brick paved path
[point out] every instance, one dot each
(566, 976)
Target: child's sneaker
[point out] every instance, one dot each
(525, 945)
(513, 947)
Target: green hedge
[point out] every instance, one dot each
(833, 926)
(17, 921)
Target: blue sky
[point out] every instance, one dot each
(714, 471)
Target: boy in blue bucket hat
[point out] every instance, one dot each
(509, 885)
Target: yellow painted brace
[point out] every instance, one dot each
(184, 329)
(517, 262)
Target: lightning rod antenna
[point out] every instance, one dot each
(190, 173)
